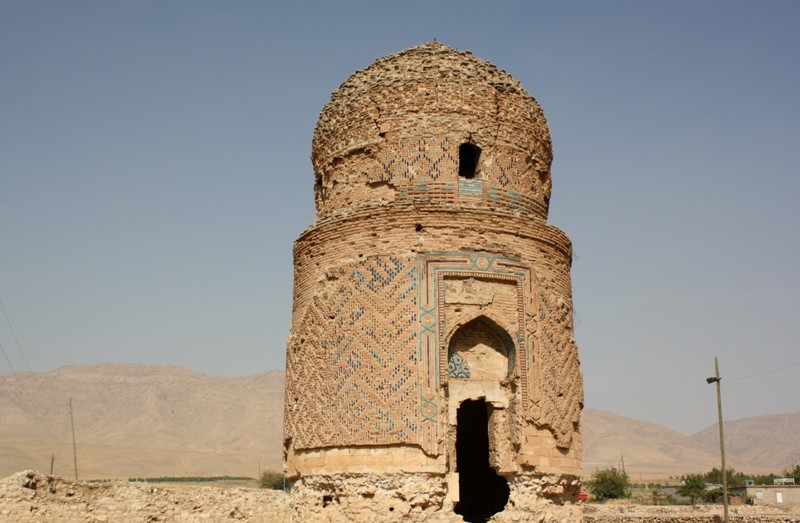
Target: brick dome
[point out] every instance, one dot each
(433, 119)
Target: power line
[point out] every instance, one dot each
(763, 373)
(19, 347)
(7, 360)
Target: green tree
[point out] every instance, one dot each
(693, 486)
(713, 495)
(610, 483)
(763, 479)
(793, 473)
(734, 478)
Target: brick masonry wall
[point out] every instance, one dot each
(432, 190)
(357, 279)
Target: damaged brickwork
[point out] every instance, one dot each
(431, 351)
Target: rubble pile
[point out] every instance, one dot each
(33, 497)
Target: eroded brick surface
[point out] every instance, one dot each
(429, 279)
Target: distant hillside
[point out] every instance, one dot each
(769, 441)
(135, 420)
(758, 445)
(645, 447)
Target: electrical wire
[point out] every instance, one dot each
(7, 360)
(19, 347)
(763, 373)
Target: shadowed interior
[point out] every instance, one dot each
(481, 491)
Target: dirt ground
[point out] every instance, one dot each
(33, 497)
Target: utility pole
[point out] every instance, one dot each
(74, 447)
(716, 379)
(52, 461)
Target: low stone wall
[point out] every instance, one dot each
(683, 514)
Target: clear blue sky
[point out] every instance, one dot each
(154, 172)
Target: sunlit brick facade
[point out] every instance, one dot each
(431, 365)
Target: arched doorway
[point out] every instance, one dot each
(482, 492)
(478, 351)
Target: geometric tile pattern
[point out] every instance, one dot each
(369, 357)
(561, 387)
(420, 159)
(425, 169)
(457, 366)
(352, 359)
(434, 366)
(472, 193)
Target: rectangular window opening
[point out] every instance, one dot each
(468, 156)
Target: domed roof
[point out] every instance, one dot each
(430, 88)
(405, 119)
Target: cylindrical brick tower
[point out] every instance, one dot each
(431, 365)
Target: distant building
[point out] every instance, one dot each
(767, 494)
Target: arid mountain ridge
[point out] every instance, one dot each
(148, 421)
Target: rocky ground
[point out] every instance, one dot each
(33, 497)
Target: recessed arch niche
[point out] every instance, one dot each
(480, 350)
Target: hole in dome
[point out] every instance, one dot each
(468, 156)
(418, 227)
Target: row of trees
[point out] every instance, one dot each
(613, 483)
(736, 478)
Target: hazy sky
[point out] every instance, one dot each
(154, 172)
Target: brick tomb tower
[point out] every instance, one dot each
(431, 366)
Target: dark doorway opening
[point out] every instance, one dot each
(468, 155)
(482, 492)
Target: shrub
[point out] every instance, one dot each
(272, 479)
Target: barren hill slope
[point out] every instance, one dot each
(133, 420)
(760, 444)
(136, 420)
(769, 441)
(646, 447)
